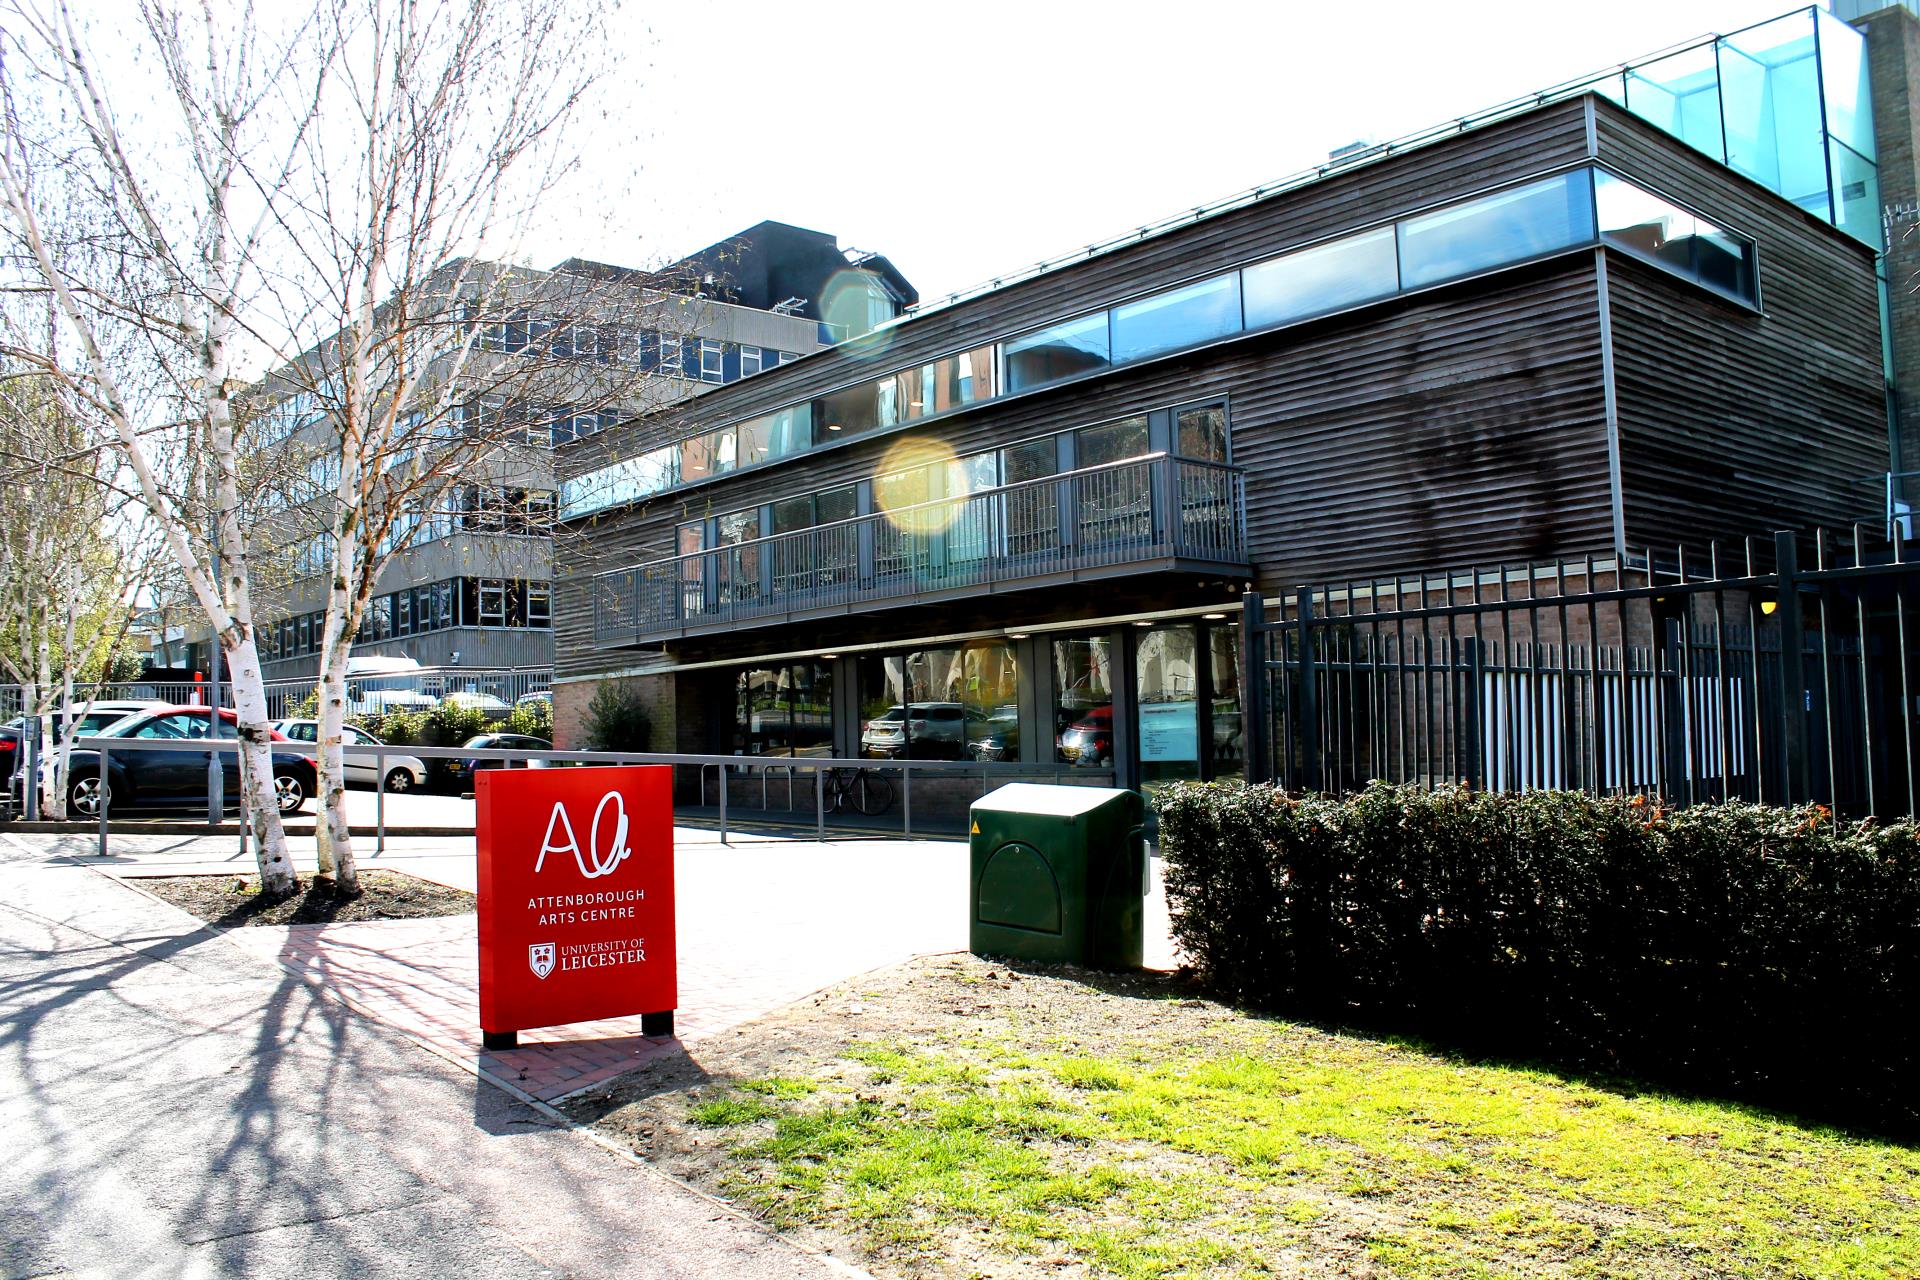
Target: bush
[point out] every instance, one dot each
(616, 718)
(1770, 953)
(535, 718)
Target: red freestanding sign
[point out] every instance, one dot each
(575, 898)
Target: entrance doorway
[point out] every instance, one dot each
(1187, 718)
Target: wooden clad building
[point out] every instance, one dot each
(1015, 528)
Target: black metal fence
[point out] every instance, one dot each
(1780, 672)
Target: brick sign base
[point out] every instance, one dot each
(575, 898)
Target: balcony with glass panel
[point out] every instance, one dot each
(1156, 513)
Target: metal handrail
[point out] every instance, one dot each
(900, 513)
(818, 765)
(1093, 517)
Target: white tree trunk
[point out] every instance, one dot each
(333, 833)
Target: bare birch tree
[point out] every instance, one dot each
(154, 290)
(438, 136)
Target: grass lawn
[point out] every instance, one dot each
(956, 1118)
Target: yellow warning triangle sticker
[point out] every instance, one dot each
(976, 829)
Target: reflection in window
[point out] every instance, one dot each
(957, 380)
(1083, 701)
(1771, 91)
(784, 711)
(1078, 346)
(1168, 692)
(1507, 226)
(1680, 94)
(776, 435)
(1843, 79)
(1324, 278)
(1200, 431)
(1856, 194)
(1178, 318)
(848, 412)
(1114, 442)
(1652, 228)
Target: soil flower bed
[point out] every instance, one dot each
(957, 1118)
(231, 901)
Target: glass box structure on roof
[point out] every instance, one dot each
(1785, 102)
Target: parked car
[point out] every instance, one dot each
(403, 772)
(160, 779)
(374, 702)
(485, 703)
(462, 769)
(1089, 740)
(13, 737)
(533, 696)
(918, 731)
(996, 735)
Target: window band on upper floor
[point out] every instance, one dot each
(1511, 225)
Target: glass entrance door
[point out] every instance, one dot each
(1167, 704)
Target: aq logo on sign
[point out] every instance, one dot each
(540, 958)
(617, 850)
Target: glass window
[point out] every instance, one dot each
(848, 412)
(1178, 318)
(790, 514)
(776, 435)
(1029, 460)
(1856, 194)
(539, 604)
(1200, 431)
(1168, 716)
(1652, 228)
(945, 384)
(1843, 79)
(712, 368)
(1771, 93)
(699, 458)
(810, 703)
(749, 360)
(835, 505)
(989, 696)
(493, 602)
(1083, 701)
(1323, 278)
(1078, 346)
(1114, 442)
(763, 718)
(1680, 94)
(443, 605)
(1507, 226)
(1226, 741)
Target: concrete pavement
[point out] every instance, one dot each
(179, 1106)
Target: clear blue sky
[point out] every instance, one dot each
(967, 140)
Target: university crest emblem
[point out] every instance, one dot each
(540, 959)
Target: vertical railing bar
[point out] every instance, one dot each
(1826, 671)
(1868, 764)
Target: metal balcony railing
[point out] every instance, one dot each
(1150, 512)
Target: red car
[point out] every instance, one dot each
(1089, 740)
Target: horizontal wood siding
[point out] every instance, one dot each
(1468, 425)
(1487, 156)
(1733, 423)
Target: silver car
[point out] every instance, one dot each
(403, 772)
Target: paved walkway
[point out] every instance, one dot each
(762, 922)
(177, 1106)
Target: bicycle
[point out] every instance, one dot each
(868, 792)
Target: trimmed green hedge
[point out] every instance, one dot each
(1769, 953)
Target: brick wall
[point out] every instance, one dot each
(675, 715)
(1893, 58)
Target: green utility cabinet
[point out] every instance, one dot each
(1059, 875)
